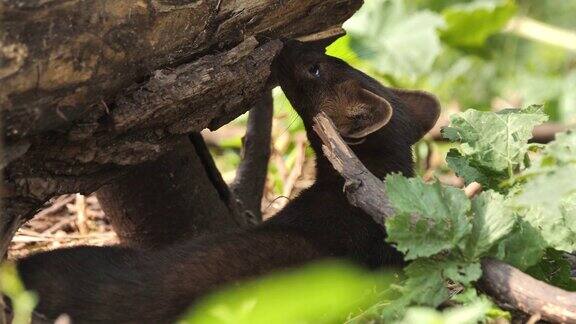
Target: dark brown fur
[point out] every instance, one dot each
(121, 285)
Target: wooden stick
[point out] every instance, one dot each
(472, 189)
(543, 134)
(363, 189)
(500, 280)
(512, 286)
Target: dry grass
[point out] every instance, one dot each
(68, 220)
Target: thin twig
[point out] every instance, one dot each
(81, 220)
(60, 203)
(472, 189)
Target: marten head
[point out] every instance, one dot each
(379, 123)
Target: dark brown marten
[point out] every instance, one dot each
(122, 285)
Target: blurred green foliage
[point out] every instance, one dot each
(463, 51)
(23, 302)
(326, 292)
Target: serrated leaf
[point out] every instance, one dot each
(462, 272)
(561, 151)
(394, 41)
(548, 202)
(491, 221)
(461, 166)
(425, 284)
(426, 279)
(470, 24)
(493, 142)
(441, 220)
(547, 199)
(554, 269)
(522, 248)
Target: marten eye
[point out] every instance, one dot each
(314, 70)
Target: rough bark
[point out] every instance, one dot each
(248, 186)
(501, 281)
(362, 188)
(164, 201)
(89, 88)
(63, 57)
(513, 287)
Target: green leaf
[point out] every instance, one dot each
(561, 151)
(462, 272)
(395, 42)
(468, 314)
(469, 173)
(548, 202)
(567, 104)
(522, 248)
(554, 269)
(441, 220)
(494, 143)
(320, 293)
(23, 301)
(468, 25)
(492, 220)
(425, 284)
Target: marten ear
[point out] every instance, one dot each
(361, 112)
(422, 107)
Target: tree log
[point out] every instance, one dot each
(89, 88)
(62, 58)
(501, 281)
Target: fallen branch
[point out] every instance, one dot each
(542, 134)
(81, 98)
(248, 186)
(512, 286)
(363, 189)
(500, 280)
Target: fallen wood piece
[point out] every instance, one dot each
(62, 58)
(500, 280)
(512, 286)
(472, 189)
(89, 88)
(362, 188)
(542, 134)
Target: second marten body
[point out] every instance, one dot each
(122, 285)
